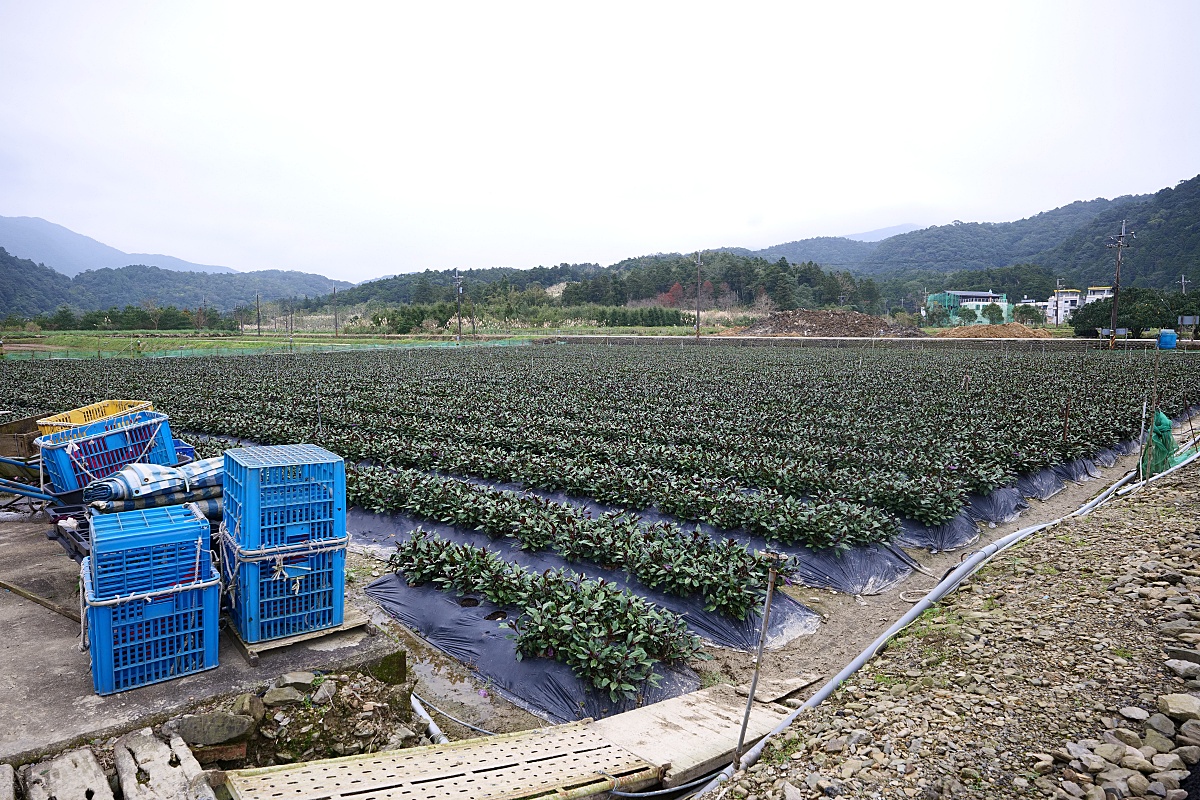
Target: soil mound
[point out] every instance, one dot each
(1009, 330)
(809, 322)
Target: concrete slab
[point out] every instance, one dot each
(46, 697)
(75, 775)
(149, 769)
(8, 782)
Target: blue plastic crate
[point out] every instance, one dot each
(184, 451)
(74, 458)
(306, 592)
(284, 495)
(148, 549)
(138, 643)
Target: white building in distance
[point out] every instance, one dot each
(1064, 301)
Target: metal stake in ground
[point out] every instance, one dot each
(762, 640)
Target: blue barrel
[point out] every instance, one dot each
(1166, 340)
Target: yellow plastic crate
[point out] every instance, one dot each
(96, 411)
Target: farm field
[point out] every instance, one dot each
(824, 449)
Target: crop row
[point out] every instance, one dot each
(729, 577)
(738, 437)
(608, 637)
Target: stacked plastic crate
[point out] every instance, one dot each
(284, 540)
(90, 443)
(153, 597)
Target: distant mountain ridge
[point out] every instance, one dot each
(71, 253)
(28, 289)
(879, 234)
(1025, 256)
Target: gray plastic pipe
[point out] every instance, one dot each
(947, 585)
(435, 733)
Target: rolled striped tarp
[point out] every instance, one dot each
(139, 480)
(207, 498)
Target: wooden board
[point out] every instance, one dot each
(691, 735)
(771, 691)
(353, 618)
(565, 761)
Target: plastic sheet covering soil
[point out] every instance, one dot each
(468, 629)
(789, 619)
(861, 570)
(1042, 484)
(958, 532)
(1002, 505)
(1079, 470)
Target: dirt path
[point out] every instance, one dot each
(851, 623)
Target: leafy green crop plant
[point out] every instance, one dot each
(608, 637)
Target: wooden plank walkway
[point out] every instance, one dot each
(560, 762)
(690, 735)
(668, 744)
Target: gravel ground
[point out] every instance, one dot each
(1065, 668)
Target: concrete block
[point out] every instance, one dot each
(74, 775)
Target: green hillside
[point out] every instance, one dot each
(28, 289)
(831, 251)
(1167, 225)
(437, 286)
(980, 245)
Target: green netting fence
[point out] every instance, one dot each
(1161, 451)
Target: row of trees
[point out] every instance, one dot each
(1138, 309)
(129, 318)
(440, 317)
(727, 280)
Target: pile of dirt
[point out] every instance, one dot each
(1009, 330)
(809, 322)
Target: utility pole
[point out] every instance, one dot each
(458, 293)
(258, 312)
(1183, 282)
(1118, 243)
(335, 319)
(697, 295)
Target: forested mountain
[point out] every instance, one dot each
(879, 234)
(831, 251)
(28, 289)
(728, 279)
(433, 286)
(980, 245)
(70, 253)
(1022, 258)
(1167, 225)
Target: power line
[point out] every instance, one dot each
(1118, 243)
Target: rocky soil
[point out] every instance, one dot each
(1066, 669)
(299, 716)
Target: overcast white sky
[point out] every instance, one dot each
(361, 139)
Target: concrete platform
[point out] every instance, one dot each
(47, 701)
